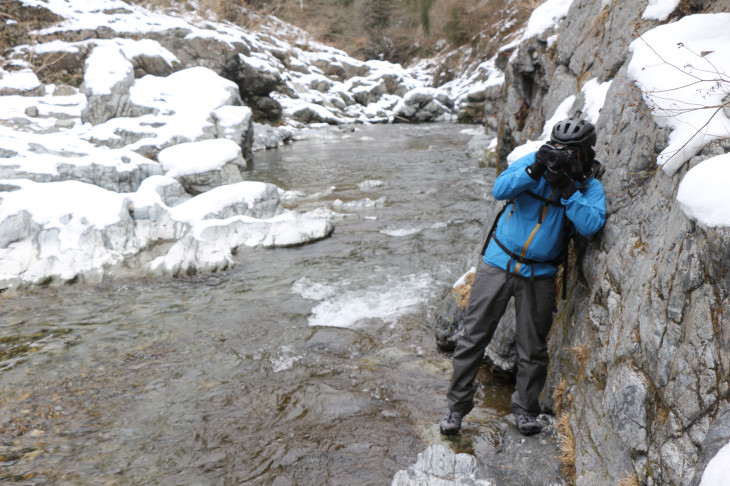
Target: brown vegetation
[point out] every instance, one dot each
(566, 446)
(566, 442)
(462, 292)
(396, 31)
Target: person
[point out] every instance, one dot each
(543, 189)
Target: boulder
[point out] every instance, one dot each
(425, 105)
(235, 123)
(20, 83)
(204, 165)
(437, 465)
(107, 90)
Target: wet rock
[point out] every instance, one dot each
(481, 147)
(437, 465)
(526, 461)
(309, 113)
(449, 322)
(517, 461)
(268, 137)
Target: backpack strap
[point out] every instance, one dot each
(494, 225)
(551, 202)
(565, 256)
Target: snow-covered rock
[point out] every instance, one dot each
(425, 105)
(205, 165)
(107, 79)
(23, 82)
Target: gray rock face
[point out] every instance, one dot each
(654, 295)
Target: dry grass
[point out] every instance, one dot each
(566, 446)
(20, 33)
(461, 292)
(629, 480)
(565, 439)
(560, 397)
(580, 353)
(531, 5)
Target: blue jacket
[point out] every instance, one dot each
(519, 228)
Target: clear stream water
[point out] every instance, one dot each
(304, 366)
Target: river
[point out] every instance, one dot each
(300, 366)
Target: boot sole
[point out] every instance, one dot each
(449, 432)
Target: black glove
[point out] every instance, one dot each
(562, 182)
(538, 168)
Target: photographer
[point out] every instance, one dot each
(550, 193)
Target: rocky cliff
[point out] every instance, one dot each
(639, 350)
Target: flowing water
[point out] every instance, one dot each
(310, 365)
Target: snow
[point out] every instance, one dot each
(41, 200)
(23, 80)
(595, 96)
(106, 67)
(546, 16)
(682, 70)
(216, 200)
(703, 193)
(193, 90)
(659, 9)
(51, 230)
(682, 86)
(717, 471)
(194, 157)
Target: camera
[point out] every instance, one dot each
(558, 159)
(565, 159)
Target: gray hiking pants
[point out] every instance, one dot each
(490, 294)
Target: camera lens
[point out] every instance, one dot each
(555, 160)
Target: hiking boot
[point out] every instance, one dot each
(451, 423)
(527, 424)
